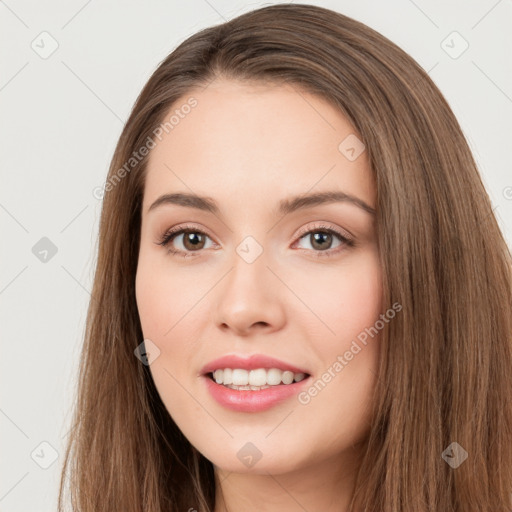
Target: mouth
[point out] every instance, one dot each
(253, 384)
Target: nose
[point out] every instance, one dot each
(250, 299)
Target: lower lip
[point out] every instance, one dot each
(249, 400)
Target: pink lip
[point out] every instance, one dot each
(249, 363)
(252, 401)
(249, 400)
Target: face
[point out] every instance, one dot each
(248, 274)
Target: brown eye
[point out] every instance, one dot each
(184, 242)
(193, 240)
(321, 240)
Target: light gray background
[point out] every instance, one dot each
(61, 117)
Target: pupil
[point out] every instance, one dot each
(192, 240)
(321, 236)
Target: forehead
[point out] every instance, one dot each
(245, 140)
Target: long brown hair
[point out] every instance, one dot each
(446, 361)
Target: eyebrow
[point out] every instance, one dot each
(285, 206)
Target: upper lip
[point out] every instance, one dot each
(249, 363)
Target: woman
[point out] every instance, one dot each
(302, 298)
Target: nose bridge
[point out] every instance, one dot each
(248, 294)
(248, 279)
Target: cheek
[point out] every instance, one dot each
(349, 305)
(151, 297)
(359, 298)
(172, 316)
(163, 300)
(164, 296)
(346, 301)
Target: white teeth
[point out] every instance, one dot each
(287, 377)
(274, 377)
(240, 377)
(228, 376)
(260, 378)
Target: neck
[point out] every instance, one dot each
(327, 485)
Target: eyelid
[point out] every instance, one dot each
(323, 225)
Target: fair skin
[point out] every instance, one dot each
(248, 147)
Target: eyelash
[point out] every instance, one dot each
(169, 235)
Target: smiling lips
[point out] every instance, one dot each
(252, 384)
